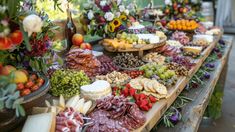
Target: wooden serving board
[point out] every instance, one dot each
(159, 108)
(139, 47)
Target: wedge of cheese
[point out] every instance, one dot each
(192, 49)
(40, 123)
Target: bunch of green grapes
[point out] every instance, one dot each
(159, 72)
(67, 82)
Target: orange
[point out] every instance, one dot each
(171, 26)
(179, 27)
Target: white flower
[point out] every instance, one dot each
(4, 23)
(103, 3)
(90, 15)
(168, 2)
(159, 12)
(32, 23)
(127, 12)
(109, 16)
(118, 14)
(122, 8)
(119, 2)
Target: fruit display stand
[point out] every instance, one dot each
(154, 115)
(193, 112)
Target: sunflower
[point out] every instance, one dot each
(116, 22)
(123, 17)
(111, 27)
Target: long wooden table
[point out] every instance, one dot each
(159, 108)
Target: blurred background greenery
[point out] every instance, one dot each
(77, 6)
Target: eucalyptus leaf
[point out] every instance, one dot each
(3, 81)
(15, 96)
(17, 111)
(11, 88)
(16, 102)
(9, 103)
(21, 110)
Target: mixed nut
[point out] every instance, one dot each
(179, 69)
(115, 78)
(127, 60)
(154, 57)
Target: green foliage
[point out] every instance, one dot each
(214, 107)
(9, 96)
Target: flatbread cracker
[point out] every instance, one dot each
(136, 84)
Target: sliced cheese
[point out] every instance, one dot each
(62, 101)
(40, 123)
(80, 104)
(72, 101)
(86, 107)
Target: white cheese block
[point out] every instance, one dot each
(151, 37)
(208, 38)
(40, 123)
(96, 90)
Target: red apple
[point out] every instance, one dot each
(16, 37)
(77, 39)
(5, 43)
(163, 22)
(6, 70)
(88, 46)
(83, 46)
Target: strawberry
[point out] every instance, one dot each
(150, 105)
(142, 96)
(125, 92)
(144, 107)
(128, 85)
(137, 96)
(143, 102)
(138, 102)
(152, 99)
(132, 91)
(115, 88)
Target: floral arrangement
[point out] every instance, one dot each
(107, 17)
(25, 36)
(182, 8)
